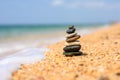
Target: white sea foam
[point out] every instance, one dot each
(13, 62)
(7, 48)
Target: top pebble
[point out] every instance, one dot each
(71, 27)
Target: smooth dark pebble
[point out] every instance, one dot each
(81, 64)
(118, 74)
(115, 42)
(76, 75)
(72, 53)
(71, 27)
(69, 31)
(72, 48)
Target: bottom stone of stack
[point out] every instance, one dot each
(72, 53)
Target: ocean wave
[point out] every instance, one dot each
(13, 62)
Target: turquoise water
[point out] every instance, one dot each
(37, 35)
(19, 30)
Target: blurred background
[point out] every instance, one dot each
(31, 23)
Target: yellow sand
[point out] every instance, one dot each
(100, 60)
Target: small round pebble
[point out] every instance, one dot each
(71, 27)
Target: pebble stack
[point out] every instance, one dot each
(72, 45)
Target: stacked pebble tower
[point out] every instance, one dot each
(72, 45)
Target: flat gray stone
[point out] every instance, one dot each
(69, 31)
(74, 48)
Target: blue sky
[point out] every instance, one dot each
(58, 11)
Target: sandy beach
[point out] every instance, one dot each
(100, 60)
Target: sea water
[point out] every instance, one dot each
(25, 44)
(23, 36)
